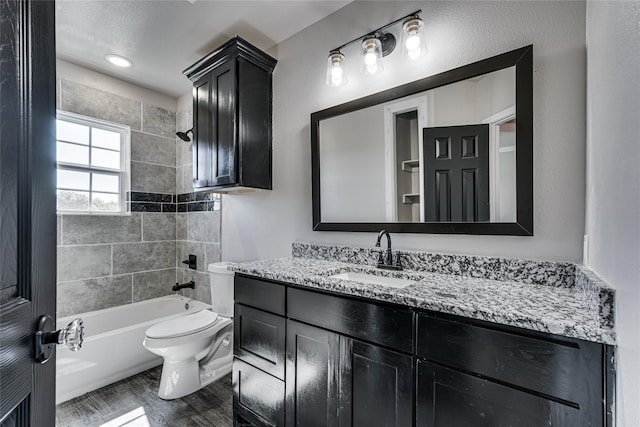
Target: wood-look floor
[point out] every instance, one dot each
(134, 402)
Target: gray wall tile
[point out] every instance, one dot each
(158, 121)
(58, 230)
(184, 119)
(159, 226)
(81, 99)
(184, 152)
(153, 284)
(202, 291)
(153, 178)
(184, 179)
(134, 257)
(181, 226)
(93, 294)
(184, 249)
(87, 229)
(153, 149)
(83, 262)
(58, 91)
(204, 226)
(212, 253)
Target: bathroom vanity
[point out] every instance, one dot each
(474, 348)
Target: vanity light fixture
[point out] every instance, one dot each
(413, 42)
(376, 45)
(119, 61)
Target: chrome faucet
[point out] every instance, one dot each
(386, 262)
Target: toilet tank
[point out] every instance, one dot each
(221, 281)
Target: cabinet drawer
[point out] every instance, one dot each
(370, 322)
(260, 294)
(259, 339)
(554, 368)
(257, 397)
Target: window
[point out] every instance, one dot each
(93, 165)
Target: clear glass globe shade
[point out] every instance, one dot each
(336, 73)
(370, 59)
(413, 42)
(372, 69)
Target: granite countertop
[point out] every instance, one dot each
(563, 310)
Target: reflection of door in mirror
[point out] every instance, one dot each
(456, 163)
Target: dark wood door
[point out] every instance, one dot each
(377, 386)
(447, 397)
(27, 204)
(312, 377)
(456, 174)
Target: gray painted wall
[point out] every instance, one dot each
(263, 225)
(613, 179)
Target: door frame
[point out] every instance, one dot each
(418, 104)
(494, 121)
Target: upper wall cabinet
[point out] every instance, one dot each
(232, 94)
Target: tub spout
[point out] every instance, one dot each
(190, 284)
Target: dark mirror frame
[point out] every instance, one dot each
(522, 59)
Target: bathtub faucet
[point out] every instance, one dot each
(190, 284)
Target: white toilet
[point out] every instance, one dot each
(197, 348)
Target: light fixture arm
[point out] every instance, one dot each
(377, 31)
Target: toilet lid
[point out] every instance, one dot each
(183, 325)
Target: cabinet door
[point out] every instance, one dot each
(377, 384)
(312, 377)
(215, 131)
(202, 139)
(223, 124)
(259, 339)
(446, 397)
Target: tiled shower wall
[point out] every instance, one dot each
(106, 261)
(198, 217)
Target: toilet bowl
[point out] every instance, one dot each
(197, 348)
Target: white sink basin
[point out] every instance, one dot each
(393, 282)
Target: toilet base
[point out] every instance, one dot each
(179, 378)
(182, 377)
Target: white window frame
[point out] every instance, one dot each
(124, 172)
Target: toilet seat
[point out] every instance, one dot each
(184, 325)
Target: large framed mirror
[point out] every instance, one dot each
(450, 153)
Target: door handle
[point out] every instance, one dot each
(72, 336)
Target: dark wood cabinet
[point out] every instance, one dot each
(355, 362)
(232, 102)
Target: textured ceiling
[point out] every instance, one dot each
(162, 37)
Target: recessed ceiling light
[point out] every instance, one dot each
(119, 61)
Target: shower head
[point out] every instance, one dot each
(184, 135)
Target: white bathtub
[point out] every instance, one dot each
(112, 348)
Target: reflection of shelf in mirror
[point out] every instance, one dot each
(411, 165)
(411, 199)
